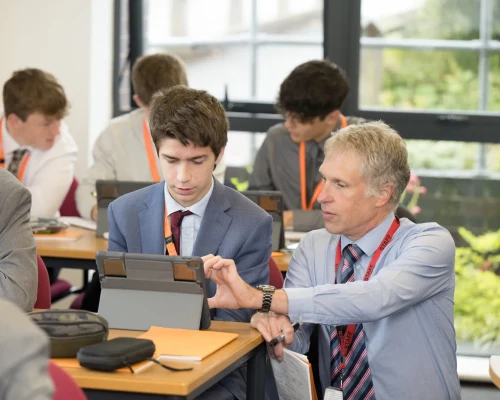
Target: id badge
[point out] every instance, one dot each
(333, 393)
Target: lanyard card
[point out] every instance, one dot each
(333, 393)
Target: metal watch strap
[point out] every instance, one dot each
(267, 298)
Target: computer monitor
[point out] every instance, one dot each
(143, 290)
(272, 202)
(107, 191)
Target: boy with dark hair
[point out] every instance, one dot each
(35, 144)
(310, 99)
(189, 129)
(124, 150)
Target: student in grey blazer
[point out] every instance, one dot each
(121, 151)
(24, 357)
(189, 129)
(18, 267)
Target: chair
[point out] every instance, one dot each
(43, 293)
(68, 207)
(65, 387)
(275, 277)
(61, 288)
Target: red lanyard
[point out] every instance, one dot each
(24, 162)
(346, 339)
(302, 164)
(148, 142)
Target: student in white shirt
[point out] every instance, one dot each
(125, 151)
(35, 145)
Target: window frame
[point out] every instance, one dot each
(342, 42)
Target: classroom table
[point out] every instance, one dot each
(80, 253)
(156, 382)
(495, 370)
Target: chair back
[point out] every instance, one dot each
(68, 207)
(65, 387)
(275, 276)
(43, 293)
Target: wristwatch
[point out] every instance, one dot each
(267, 298)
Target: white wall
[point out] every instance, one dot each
(72, 39)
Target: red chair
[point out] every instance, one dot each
(68, 207)
(275, 277)
(43, 292)
(61, 288)
(65, 387)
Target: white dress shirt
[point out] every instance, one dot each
(49, 173)
(190, 225)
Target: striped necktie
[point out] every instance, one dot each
(17, 157)
(357, 384)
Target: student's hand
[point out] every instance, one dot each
(288, 219)
(271, 325)
(232, 291)
(93, 213)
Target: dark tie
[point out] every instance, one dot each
(17, 157)
(357, 376)
(175, 225)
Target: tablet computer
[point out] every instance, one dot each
(272, 202)
(143, 290)
(107, 191)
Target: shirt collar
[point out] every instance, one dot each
(197, 208)
(9, 144)
(372, 239)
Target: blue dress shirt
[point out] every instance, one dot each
(406, 307)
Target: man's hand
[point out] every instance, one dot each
(271, 325)
(232, 291)
(93, 213)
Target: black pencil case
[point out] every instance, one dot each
(115, 353)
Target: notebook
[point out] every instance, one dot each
(67, 234)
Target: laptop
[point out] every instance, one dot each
(272, 202)
(107, 191)
(143, 290)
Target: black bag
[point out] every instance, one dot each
(69, 330)
(119, 352)
(115, 353)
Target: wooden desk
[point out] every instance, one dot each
(156, 382)
(495, 370)
(282, 260)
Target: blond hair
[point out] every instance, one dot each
(383, 156)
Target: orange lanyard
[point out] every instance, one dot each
(150, 151)
(24, 162)
(169, 241)
(302, 163)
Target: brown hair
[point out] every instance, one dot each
(33, 90)
(383, 155)
(157, 71)
(188, 115)
(313, 89)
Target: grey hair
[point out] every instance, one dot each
(383, 155)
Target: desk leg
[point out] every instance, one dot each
(257, 374)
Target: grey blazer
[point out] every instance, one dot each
(120, 155)
(18, 267)
(232, 227)
(24, 357)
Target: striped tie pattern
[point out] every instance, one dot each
(357, 382)
(17, 157)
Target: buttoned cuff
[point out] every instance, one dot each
(300, 303)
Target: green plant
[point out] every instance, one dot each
(477, 303)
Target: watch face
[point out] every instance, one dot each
(266, 287)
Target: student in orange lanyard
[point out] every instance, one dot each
(380, 288)
(310, 99)
(35, 144)
(191, 213)
(124, 151)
